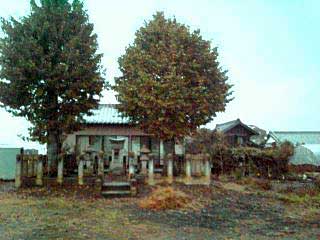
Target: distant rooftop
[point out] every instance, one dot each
(106, 114)
(224, 127)
(297, 137)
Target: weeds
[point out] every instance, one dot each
(260, 184)
(164, 198)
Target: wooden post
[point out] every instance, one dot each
(31, 157)
(80, 171)
(60, 169)
(39, 181)
(170, 167)
(30, 167)
(25, 166)
(18, 171)
(35, 165)
(150, 171)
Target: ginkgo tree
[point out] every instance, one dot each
(171, 81)
(50, 71)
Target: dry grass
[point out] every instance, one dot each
(260, 184)
(164, 198)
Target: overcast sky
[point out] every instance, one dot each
(270, 48)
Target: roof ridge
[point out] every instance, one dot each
(296, 131)
(108, 104)
(106, 114)
(219, 124)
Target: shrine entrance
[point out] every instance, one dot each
(119, 153)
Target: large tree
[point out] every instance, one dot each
(50, 70)
(171, 80)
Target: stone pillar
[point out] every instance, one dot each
(161, 151)
(144, 160)
(100, 164)
(18, 172)
(60, 169)
(80, 171)
(144, 167)
(188, 166)
(170, 167)
(207, 169)
(39, 171)
(131, 165)
(150, 171)
(131, 171)
(197, 165)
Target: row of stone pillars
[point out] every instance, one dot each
(29, 166)
(202, 160)
(81, 160)
(32, 166)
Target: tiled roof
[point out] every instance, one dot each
(224, 127)
(296, 137)
(106, 114)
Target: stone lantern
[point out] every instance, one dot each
(90, 157)
(144, 158)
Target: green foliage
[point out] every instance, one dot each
(171, 81)
(241, 161)
(50, 69)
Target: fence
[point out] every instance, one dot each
(37, 166)
(29, 166)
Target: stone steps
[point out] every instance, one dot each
(121, 193)
(116, 189)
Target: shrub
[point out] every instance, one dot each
(164, 198)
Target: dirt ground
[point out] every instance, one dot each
(231, 211)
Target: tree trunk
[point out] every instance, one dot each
(53, 150)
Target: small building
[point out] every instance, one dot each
(106, 130)
(236, 132)
(307, 145)
(8, 161)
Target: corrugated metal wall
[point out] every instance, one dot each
(8, 163)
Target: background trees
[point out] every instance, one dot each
(50, 69)
(171, 80)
